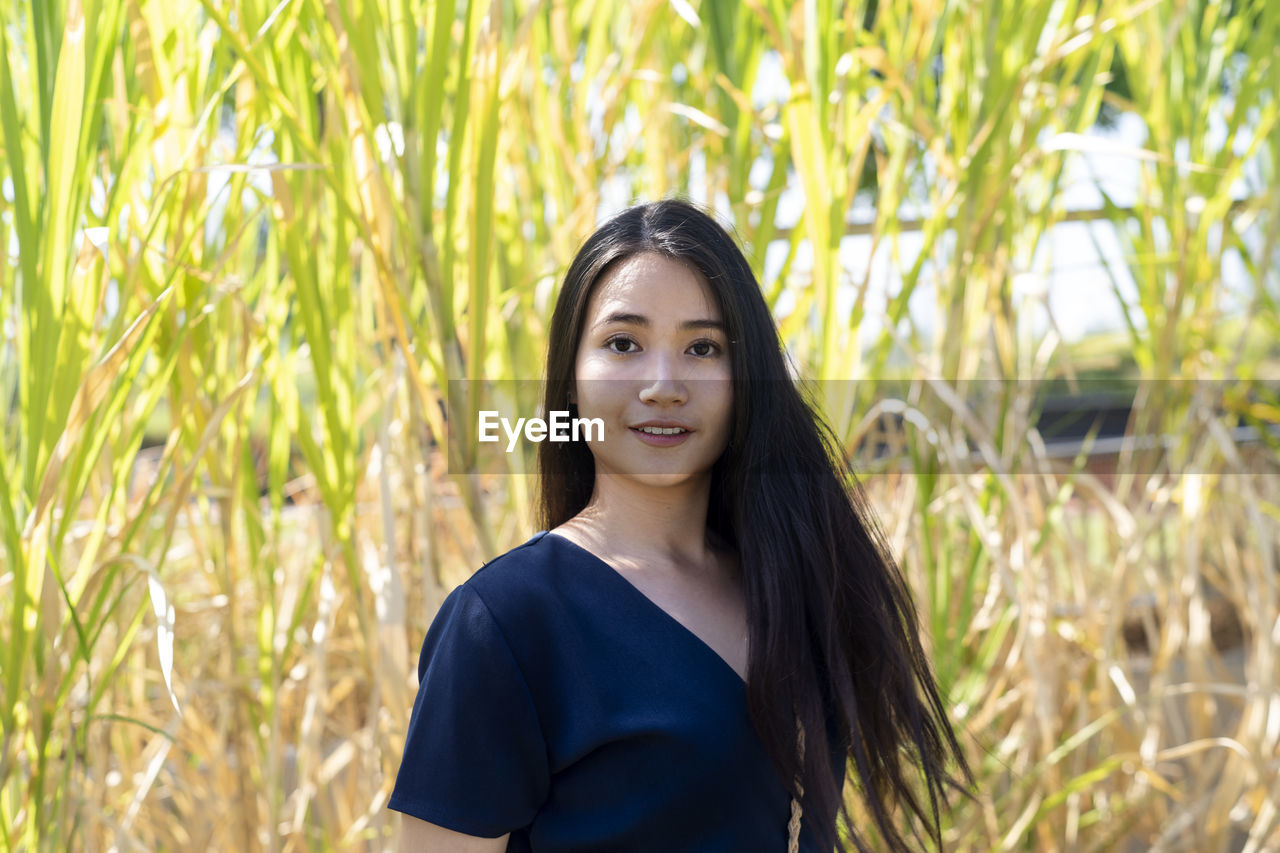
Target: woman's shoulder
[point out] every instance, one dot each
(530, 561)
(526, 580)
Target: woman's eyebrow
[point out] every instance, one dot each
(641, 320)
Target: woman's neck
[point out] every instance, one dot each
(660, 529)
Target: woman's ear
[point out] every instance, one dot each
(572, 397)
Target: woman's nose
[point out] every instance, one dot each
(664, 385)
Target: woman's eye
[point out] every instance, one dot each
(705, 348)
(621, 346)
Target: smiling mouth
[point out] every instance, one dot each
(662, 436)
(661, 430)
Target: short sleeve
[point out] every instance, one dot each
(474, 758)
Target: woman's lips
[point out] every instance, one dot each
(660, 440)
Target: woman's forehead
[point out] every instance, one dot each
(656, 284)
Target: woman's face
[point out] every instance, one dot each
(653, 364)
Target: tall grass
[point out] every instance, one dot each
(255, 240)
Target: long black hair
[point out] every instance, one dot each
(832, 628)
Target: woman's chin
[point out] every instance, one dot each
(661, 479)
(665, 481)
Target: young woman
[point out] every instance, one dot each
(709, 629)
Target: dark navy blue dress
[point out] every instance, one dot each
(560, 704)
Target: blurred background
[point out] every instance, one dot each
(1024, 255)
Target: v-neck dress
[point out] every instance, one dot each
(558, 703)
